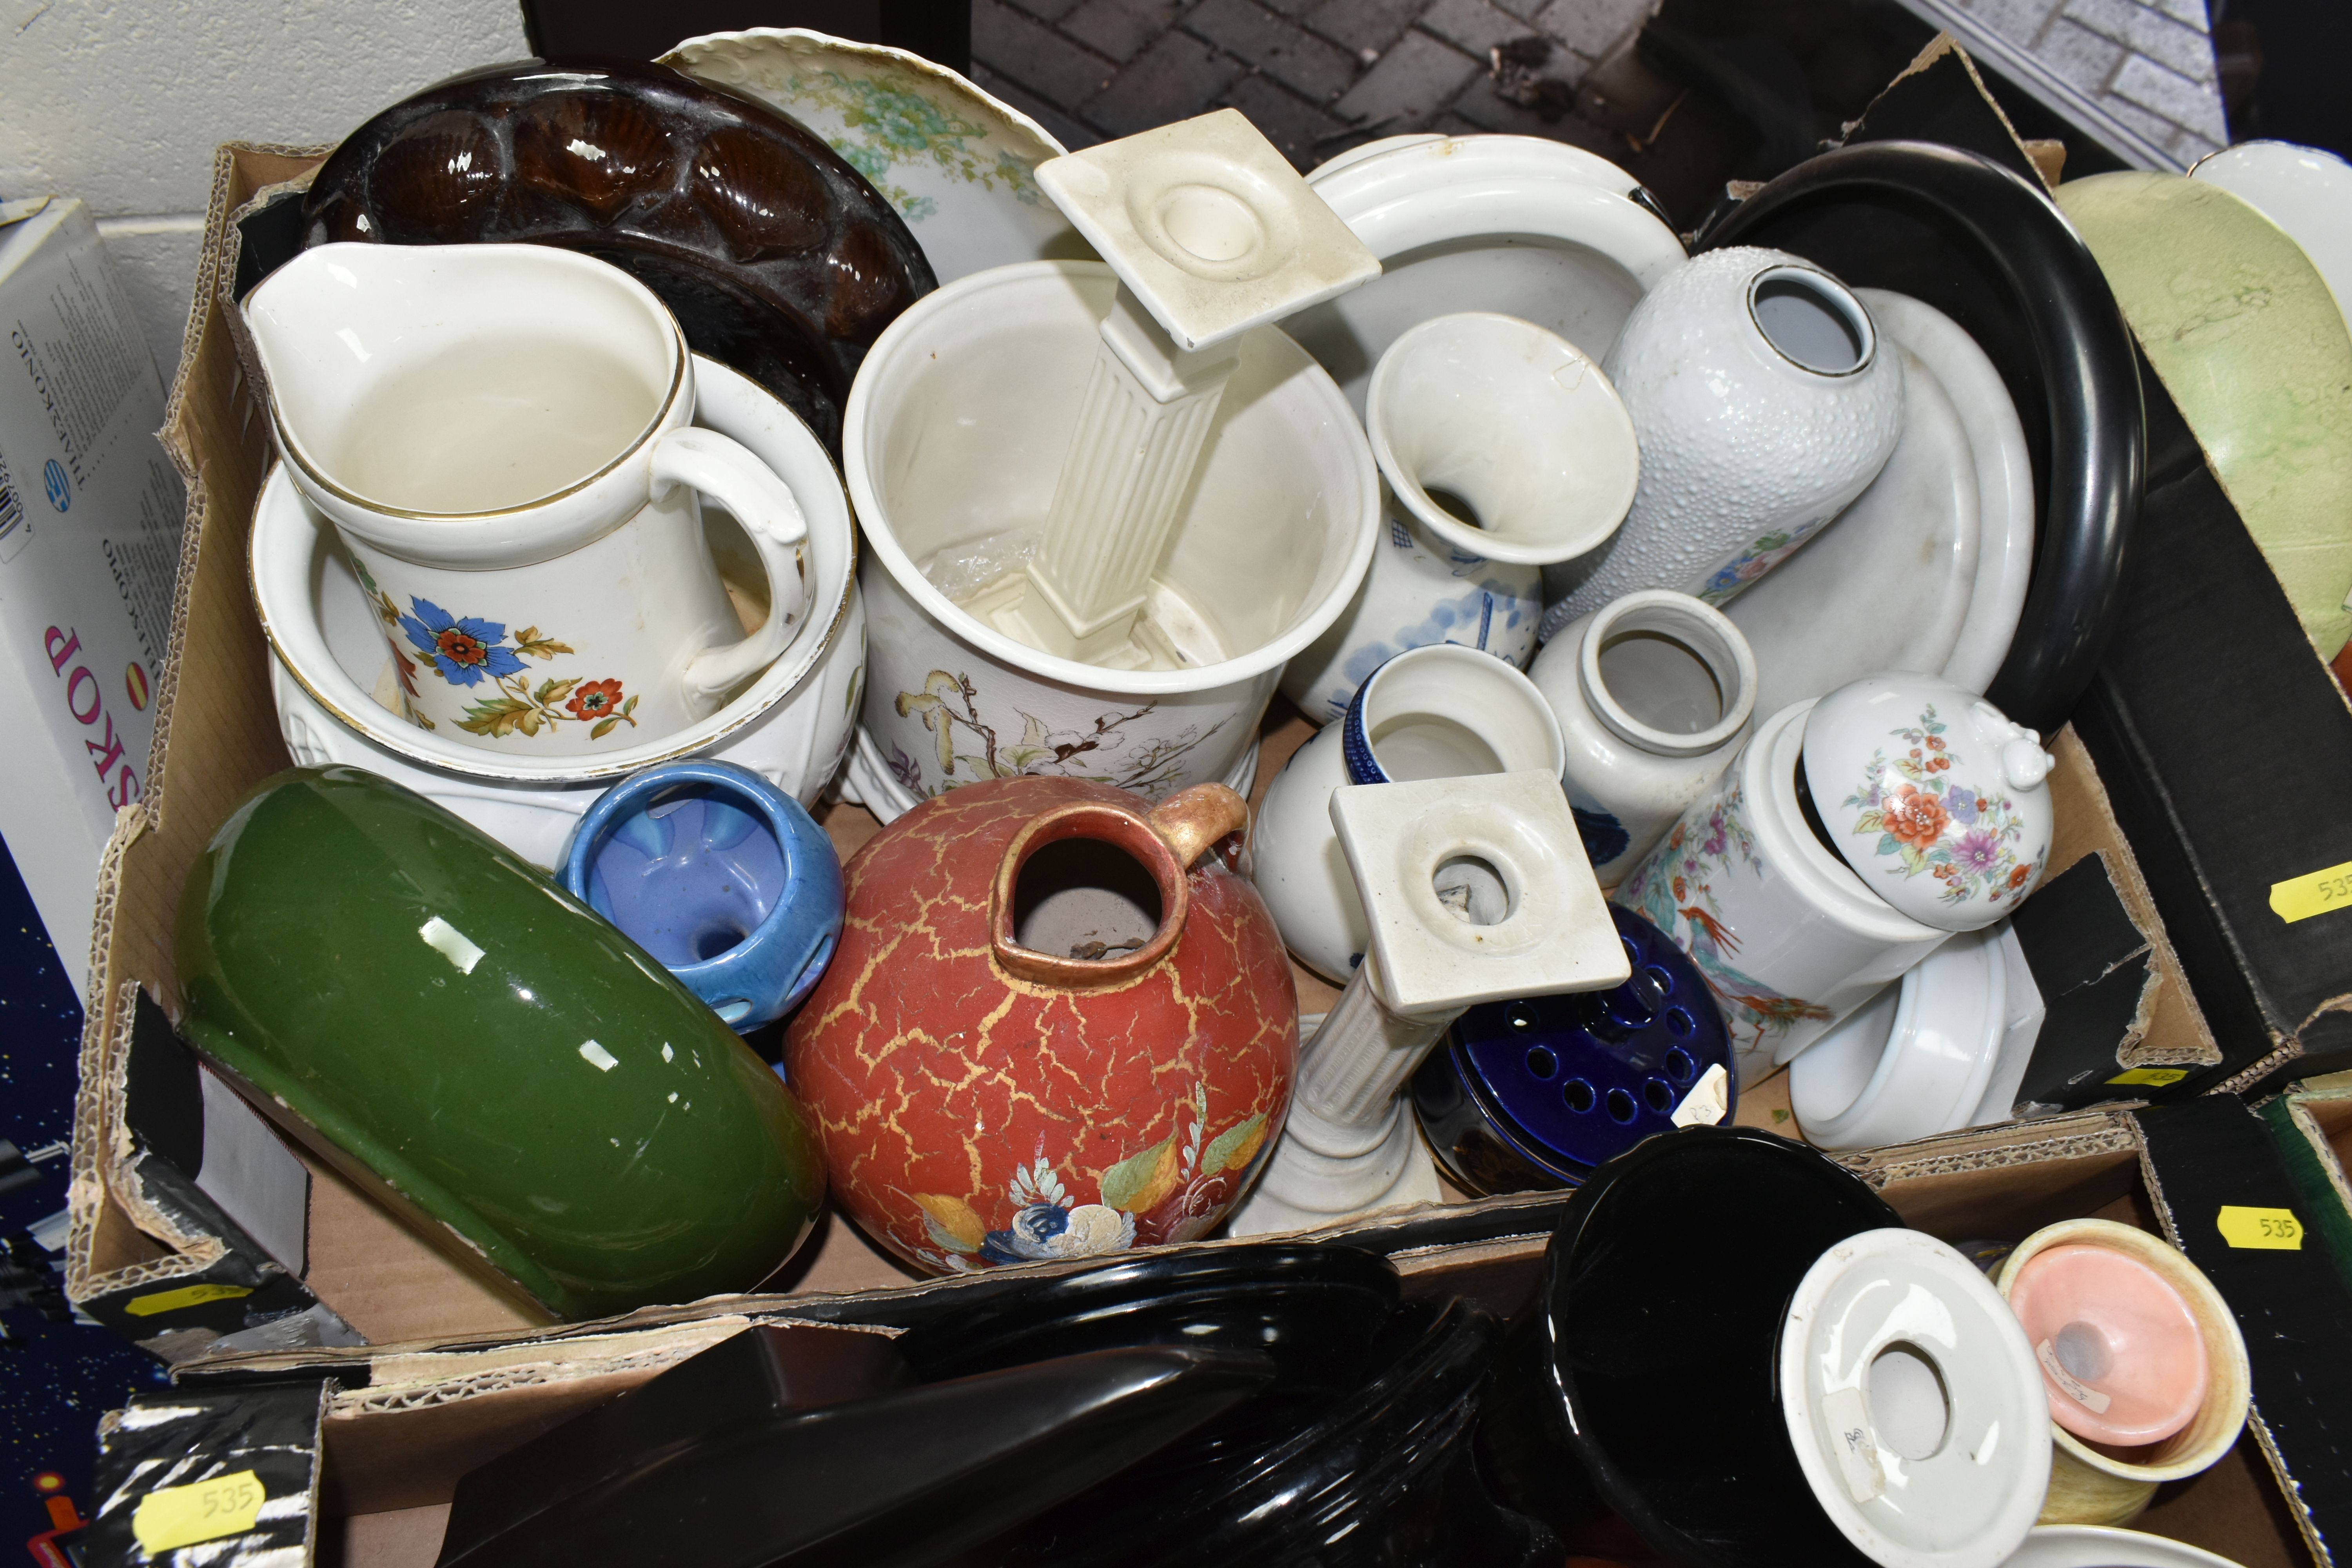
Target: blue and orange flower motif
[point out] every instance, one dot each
(464, 649)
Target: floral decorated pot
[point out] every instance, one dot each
(1934, 798)
(1057, 1026)
(1949, 833)
(956, 428)
(1788, 943)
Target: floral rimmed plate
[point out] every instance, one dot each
(958, 165)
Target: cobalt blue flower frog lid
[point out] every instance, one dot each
(720, 875)
(1934, 798)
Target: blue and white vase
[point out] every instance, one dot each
(1421, 590)
(1432, 713)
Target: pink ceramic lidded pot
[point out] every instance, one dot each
(2119, 1350)
(1057, 1026)
(2141, 1359)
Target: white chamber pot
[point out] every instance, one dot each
(792, 725)
(1433, 712)
(1655, 693)
(953, 441)
(1763, 404)
(1942, 1048)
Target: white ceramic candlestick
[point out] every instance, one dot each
(1211, 233)
(1476, 889)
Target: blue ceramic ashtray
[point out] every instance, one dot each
(1536, 1093)
(719, 873)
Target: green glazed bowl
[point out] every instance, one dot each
(527, 1087)
(2247, 338)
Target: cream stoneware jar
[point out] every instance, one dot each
(1655, 693)
(502, 437)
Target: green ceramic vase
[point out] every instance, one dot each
(527, 1086)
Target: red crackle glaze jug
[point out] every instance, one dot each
(1058, 1025)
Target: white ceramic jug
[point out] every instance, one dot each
(501, 435)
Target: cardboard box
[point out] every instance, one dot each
(367, 1445)
(146, 1267)
(90, 541)
(2219, 731)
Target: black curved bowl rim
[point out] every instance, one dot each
(1612, 1485)
(2089, 364)
(1244, 1270)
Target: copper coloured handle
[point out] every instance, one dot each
(1191, 822)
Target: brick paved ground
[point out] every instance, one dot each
(2149, 63)
(1316, 76)
(1319, 76)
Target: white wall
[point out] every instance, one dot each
(121, 102)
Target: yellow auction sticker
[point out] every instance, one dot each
(2154, 1078)
(185, 1296)
(2300, 898)
(2274, 1230)
(200, 1510)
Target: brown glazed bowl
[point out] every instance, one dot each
(774, 253)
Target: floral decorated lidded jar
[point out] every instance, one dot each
(1057, 1026)
(1852, 837)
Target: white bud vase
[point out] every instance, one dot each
(1655, 693)
(1763, 406)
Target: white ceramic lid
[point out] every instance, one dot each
(1934, 799)
(1914, 1403)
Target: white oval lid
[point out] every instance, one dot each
(1914, 1403)
(1934, 799)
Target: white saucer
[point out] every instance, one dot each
(1927, 569)
(1515, 225)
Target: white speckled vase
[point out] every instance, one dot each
(1790, 941)
(1654, 694)
(1763, 406)
(1421, 590)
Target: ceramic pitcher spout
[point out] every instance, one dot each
(1163, 844)
(340, 324)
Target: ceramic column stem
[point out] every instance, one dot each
(1350, 1144)
(1142, 423)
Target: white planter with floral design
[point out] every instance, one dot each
(1789, 940)
(953, 441)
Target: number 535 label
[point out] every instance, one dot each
(200, 1510)
(2272, 1229)
(2300, 898)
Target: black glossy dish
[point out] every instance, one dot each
(1533, 1094)
(777, 257)
(1315, 1310)
(1383, 1479)
(1641, 1379)
(1988, 248)
(799, 1447)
